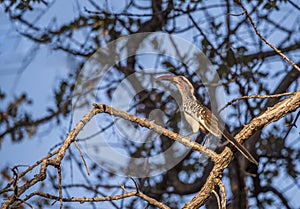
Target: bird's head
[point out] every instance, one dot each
(183, 84)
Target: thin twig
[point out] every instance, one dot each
(240, 14)
(121, 14)
(293, 4)
(122, 187)
(15, 181)
(203, 34)
(266, 41)
(81, 155)
(26, 203)
(255, 97)
(59, 187)
(135, 184)
(218, 198)
(292, 125)
(223, 192)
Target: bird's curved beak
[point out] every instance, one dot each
(165, 78)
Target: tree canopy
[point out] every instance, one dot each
(242, 59)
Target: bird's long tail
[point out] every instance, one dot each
(240, 147)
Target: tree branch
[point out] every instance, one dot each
(272, 114)
(102, 199)
(102, 108)
(221, 161)
(266, 41)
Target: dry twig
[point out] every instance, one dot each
(221, 161)
(218, 198)
(81, 155)
(223, 193)
(266, 41)
(271, 115)
(256, 97)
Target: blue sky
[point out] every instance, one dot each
(38, 78)
(45, 68)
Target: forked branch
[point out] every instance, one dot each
(266, 41)
(221, 161)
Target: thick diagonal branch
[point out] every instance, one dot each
(102, 108)
(271, 115)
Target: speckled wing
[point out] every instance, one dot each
(208, 122)
(212, 125)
